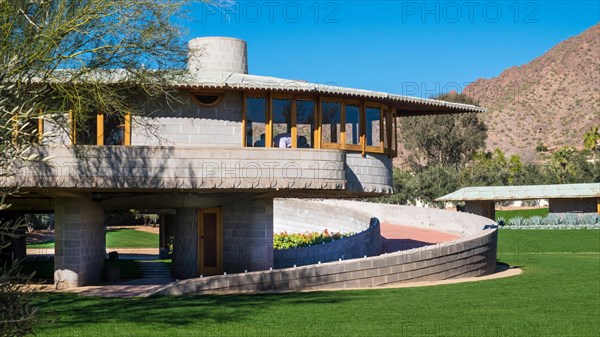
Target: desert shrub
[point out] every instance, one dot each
(590, 219)
(517, 221)
(570, 219)
(551, 220)
(501, 221)
(535, 220)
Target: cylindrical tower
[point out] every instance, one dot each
(217, 55)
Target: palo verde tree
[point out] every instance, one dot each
(74, 56)
(449, 139)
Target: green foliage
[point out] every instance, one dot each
(448, 139)
(591, 139)
(568, 166)
(295, 240)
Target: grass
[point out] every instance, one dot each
(118, 238)
(525, 213)
(557, 295)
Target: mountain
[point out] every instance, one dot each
(552, 100)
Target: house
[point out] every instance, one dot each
(213, 163)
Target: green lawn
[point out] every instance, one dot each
(525, 213)
(118, 238)
(558, 295)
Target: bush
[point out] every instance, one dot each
(501, 221)
(295, 240)
(551, 220)
(535, 220)
(590, 219)
(570, 219)
(517, 221)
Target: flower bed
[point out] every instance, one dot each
(287, 240)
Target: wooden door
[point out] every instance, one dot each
(210, 250)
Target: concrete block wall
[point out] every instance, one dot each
(582, 205)
(184, 227)
(371, 173)
(190, 124)
(365, 243)
(472, 255)
(300, 216)
(183, 167)
(79, 249)
(248, 235)
(217, 56)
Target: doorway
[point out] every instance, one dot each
(210, 241)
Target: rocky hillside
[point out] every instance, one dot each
(552, 100)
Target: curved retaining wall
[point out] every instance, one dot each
(474, 254)
(365, 243)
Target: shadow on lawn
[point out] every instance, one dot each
(60, 310)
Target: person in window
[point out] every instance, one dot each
(303, 143)
(283, 140)
(261, 141)
(117, 135)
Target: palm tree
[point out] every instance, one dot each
(591, 139)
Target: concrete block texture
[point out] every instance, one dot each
(248, 235)
(474, 254)
(79, 241)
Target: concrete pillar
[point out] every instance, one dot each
(248, 235)
(163, 238)
(184, 226)
(80, 247)
(484, 208)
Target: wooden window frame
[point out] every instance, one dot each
(339, 144)
(253, 94)
(361, 125)
(379, 148)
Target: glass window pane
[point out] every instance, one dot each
(256, 110)
(330, 122)
(373, 126)
(352, 124)
(114, 129)
(305, 123)
(282, 123)
(386, 127)
(85, 130)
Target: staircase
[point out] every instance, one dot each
(150, 269)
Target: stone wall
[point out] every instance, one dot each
(248, 235)
(79, 241)
(184, 227)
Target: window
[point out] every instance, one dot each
(373, 127)
(331, 114)
(101, 129)
(282, 123)
(207, 99)
(256, 121)
(352, 121)
(305, 123)
(114, 130)
(86, 130)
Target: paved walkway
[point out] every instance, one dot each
(399, 237)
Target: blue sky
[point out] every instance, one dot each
(416, 48)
